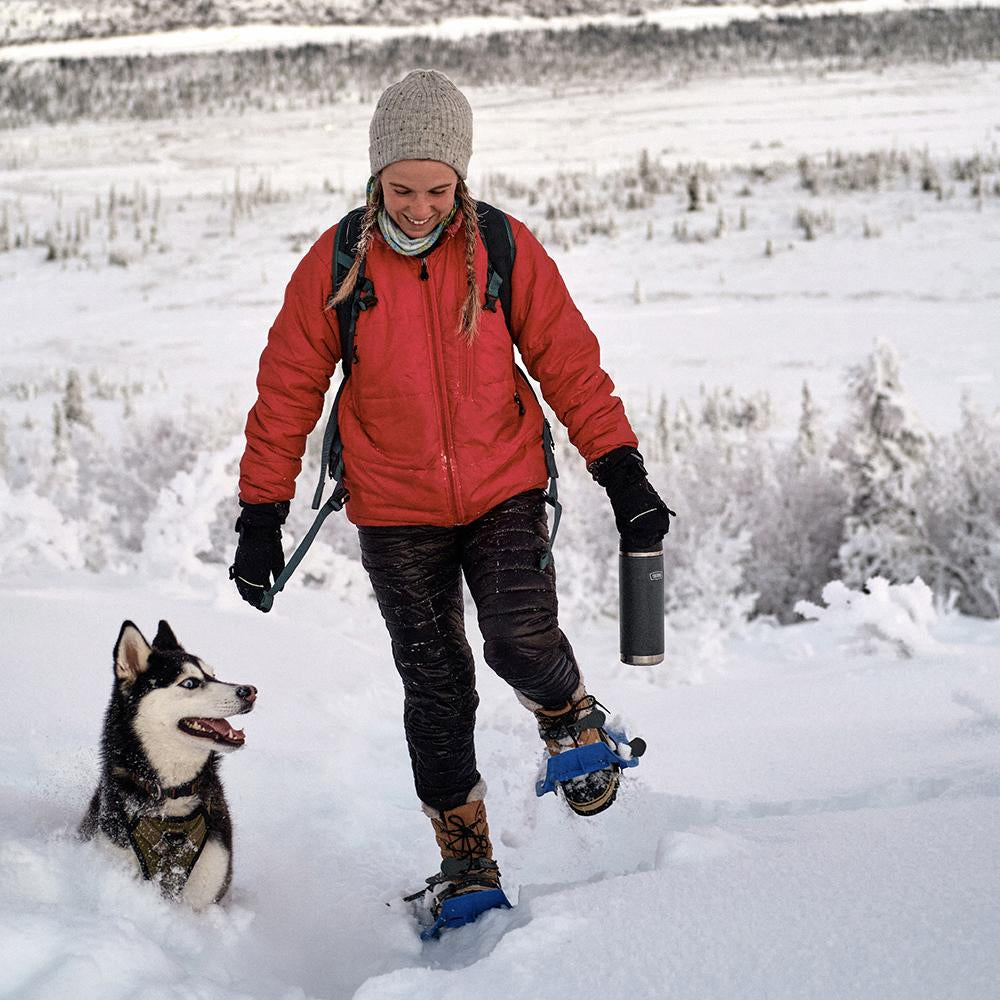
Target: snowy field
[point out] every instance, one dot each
(199, 268)
(817, 813)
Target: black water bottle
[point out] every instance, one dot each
(640, 606)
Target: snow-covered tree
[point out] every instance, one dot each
(809, 441)
(74, 409)
(960, 503)
(883, 449)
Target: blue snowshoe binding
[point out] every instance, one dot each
(585, 759)
(457, 894)
(468, 883)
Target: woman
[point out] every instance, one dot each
(443, 458)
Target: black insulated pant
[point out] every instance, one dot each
(416, 573)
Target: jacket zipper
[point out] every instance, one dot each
(440, 385)
(520, 405)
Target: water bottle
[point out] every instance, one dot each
(640, 606)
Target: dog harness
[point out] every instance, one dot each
(167, 847)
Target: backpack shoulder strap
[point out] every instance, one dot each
(344, 247)
(494, 227)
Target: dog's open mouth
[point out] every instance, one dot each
(216, 730)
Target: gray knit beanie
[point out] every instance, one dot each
(423, 117)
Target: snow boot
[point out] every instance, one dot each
(578, 746)
(469, 880)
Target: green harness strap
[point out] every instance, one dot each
(168, 848)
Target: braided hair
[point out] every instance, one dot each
(369, 223)
(472, 306)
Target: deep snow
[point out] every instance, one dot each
(817, 813)
(809, 821)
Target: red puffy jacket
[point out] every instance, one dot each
(435, 431)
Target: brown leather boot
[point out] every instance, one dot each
(467, 864)
(578, 723)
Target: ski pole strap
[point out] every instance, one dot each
(267, 598)
(552, 497)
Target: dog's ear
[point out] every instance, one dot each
(131, 653)
(165, 639)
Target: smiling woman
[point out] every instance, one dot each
(443, 463)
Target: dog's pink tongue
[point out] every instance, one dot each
(224, 729)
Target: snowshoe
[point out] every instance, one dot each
(585, 760)
(457, 894)
(469, 880)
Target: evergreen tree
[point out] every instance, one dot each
(884, 451)
(809, 441)
(73, 406)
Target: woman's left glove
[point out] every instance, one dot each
(259, 556)
(641, 516)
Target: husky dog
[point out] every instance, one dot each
(159, 803)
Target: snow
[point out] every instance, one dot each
(816, 814)
(257, 36)
(810, 823)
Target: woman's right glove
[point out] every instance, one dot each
(641, 516)
(258, 553)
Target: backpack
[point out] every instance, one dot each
(494, 228)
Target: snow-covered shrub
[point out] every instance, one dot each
(801, 504)
(34, 534)
(128, 472)
(797, 525)
(176, 538)
(101, 467)
(708, 479)
(959, 503)
(881, 618)
(762, 522)
(884, 450)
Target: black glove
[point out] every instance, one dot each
(258, 552)
(641, 516)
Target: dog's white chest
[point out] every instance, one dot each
(208, 877)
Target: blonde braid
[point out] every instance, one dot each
(472, 308)
(368, 223)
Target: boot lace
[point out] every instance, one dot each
(586, 713)
(464, 838)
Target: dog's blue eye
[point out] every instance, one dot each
(191, 682)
